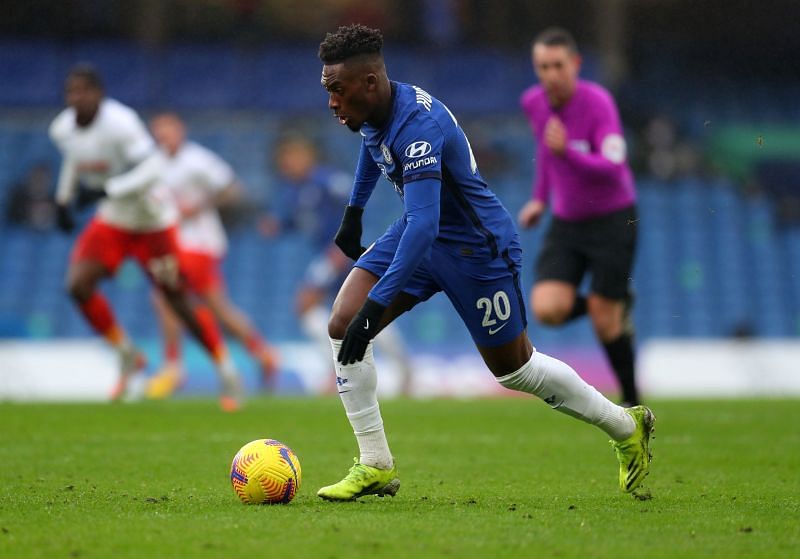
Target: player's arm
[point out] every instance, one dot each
(67, 181)
(541, 187)
(138, 179)
(367, 174)
(421, 199)
(140, 150)
(611, 152)
(67, 177)
(348, 237)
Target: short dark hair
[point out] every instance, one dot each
(87, 72)
(556, 37)
(350, 41)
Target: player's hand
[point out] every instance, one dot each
(348, 237)
(64, 218)
(88, 196)
(360, 331)
(555, 135)
(530, 214)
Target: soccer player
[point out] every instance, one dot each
(200, 182)
(454, 236)
(308, 191)
(105, 146)
(581, 168)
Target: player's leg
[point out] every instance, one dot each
(564, 390)
(97, 254)
(518, 366)
(610, 300)
(374, 471)
(494, 314)
(159, 255)
(171, 376)
(559, 269)
(201, 324)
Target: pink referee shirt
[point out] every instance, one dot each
(593, 177)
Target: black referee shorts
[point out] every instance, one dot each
(602, 246)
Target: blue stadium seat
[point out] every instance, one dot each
(33, 74)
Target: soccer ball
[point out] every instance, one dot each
(265, 471)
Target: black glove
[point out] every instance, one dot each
(348, 237)
(360, 331)
(88, 196)
(64, 219)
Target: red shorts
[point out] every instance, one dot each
(156, 251)
(201, 271)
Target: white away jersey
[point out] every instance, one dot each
(194, 176)
(115, 142)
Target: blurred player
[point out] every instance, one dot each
(106, 147)
(200, 182)
(309, 191)
(454, 236)
(581, 168)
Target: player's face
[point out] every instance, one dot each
(557, 68)
(83, 97)
(350, 94)
(168, 132)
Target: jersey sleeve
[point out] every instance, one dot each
(422, 202)
(367, 174)
(140, 178)
(609, 151)
(67, 181)
(67, 176)
(541, 186)
(540, 189)
(419, 147)
(135, 142)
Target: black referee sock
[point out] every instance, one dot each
(579, 308)
(620, 355)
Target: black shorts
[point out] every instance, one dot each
(603, 246)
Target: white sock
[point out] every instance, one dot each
(315, 325)
(560, 386)
(358, 389)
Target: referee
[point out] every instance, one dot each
(582, 172)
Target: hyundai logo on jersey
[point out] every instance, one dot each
(418, 149)
(411, 165)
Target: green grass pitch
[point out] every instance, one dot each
(482, 478)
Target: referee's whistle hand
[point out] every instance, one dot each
(555, 135)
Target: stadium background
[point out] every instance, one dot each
(708, 92)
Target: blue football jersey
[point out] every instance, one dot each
(422, 141)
